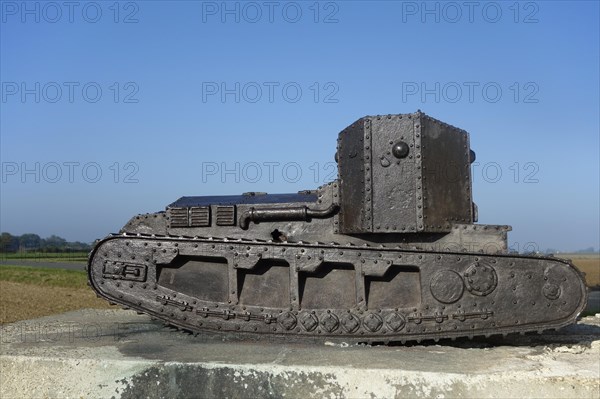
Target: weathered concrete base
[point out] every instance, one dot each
(119, 354)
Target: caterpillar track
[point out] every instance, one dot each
(381, 294)
(387, 252)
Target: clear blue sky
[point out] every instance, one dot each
(159, 91)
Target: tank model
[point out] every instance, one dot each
(387, 252)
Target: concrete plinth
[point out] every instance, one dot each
(115, 353)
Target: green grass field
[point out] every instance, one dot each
(46, 257)
(40, 276)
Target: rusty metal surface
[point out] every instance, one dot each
(387, 252)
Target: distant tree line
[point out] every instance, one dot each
(34, 243)
(589, 250)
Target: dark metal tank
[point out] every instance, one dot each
(388, 251)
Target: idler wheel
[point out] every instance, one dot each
(481, 279)
(446, 286)
(551, 291)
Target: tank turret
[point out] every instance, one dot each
(404, 173)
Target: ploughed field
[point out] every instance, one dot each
(589, 264)
(29, 292)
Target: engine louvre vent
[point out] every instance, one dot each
(178, 217)
(226, 215)
(196, 216)
(200, 216)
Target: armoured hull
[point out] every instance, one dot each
(357, 293)
(387, 252)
